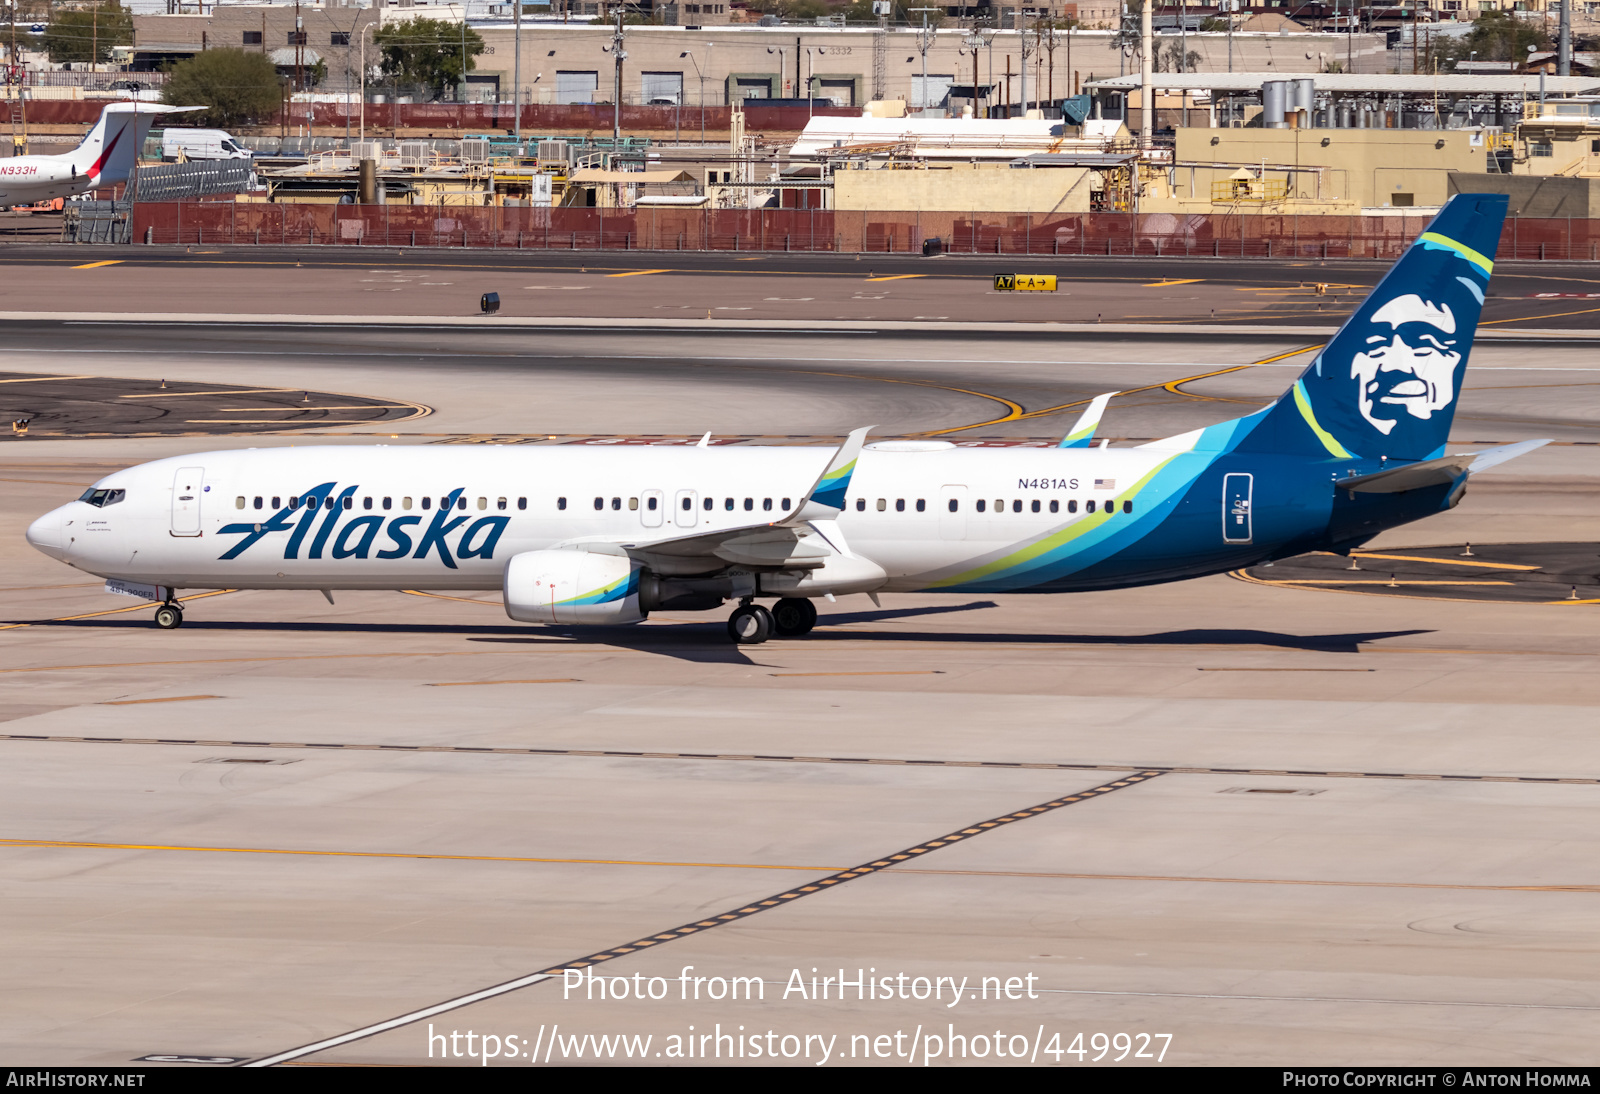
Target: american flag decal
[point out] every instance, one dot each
(1105, 484)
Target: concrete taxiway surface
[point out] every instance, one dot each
(1279, 824)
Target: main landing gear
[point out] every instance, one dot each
(169, 616)
(790, 617)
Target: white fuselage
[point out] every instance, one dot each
(179, 519)
(27, 179)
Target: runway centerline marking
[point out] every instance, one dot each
(733, 915)
(757, 757)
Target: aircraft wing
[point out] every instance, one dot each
(1445, 469)
(792, 541)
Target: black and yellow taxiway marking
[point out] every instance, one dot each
(762, 757)
(1374, 585)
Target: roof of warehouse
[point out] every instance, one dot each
(1474, 83)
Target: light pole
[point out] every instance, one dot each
(810, 69)
(783, 78)
(701, 73)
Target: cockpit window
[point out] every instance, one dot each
(100, 498)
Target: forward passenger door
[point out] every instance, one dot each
(187, 488)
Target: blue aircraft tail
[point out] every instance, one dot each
(1386, 385)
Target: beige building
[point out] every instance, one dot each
(718, 63)
(666, 64)
(965, 188)
(1313, 170)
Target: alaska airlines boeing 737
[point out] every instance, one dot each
(587, 535)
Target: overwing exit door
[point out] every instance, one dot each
(1236, 490)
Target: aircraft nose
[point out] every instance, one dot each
(45, 534)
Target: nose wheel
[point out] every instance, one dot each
(750, 624)
(169, 617)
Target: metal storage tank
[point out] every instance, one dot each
(1303, 96)
(1274, 100)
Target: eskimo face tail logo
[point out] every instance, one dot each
(358, 537)
(1407, 362)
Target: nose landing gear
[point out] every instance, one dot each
(750, 624)
(169, 616)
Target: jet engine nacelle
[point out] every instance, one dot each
(573, 587)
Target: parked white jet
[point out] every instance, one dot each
(106, 155)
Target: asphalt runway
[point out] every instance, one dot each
(382, 282)
(1278, 822)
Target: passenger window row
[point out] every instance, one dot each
(708, 504)
(982, 505)
(310, 501)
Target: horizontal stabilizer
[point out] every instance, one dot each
(1500, 455)
(1445, 469)
(1082, 432)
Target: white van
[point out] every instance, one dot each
(201, 144)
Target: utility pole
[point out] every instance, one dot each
(1147, 112)
(299, 50)
(618, 55)
(924, 43)
(516, 76)
(1023, 31)
(1564, 46)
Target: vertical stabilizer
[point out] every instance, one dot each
(1386, 385)
(111, 148)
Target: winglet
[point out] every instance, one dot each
(704, 442)
(1082, 433)
(826, 498)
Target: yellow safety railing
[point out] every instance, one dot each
(1232, 191)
